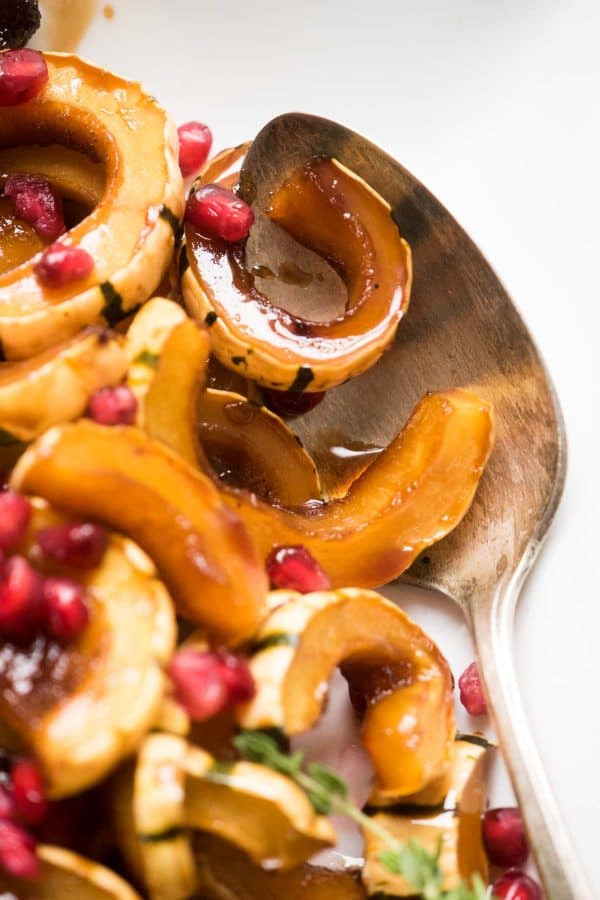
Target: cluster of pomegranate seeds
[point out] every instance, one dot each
(292, 403)
(471, 691)
(15, 513)
(516, 885)
(23, 75)
(37, 203)
(195, 141)
(23, 802)
(504, 836)
(295, 569)
(219, 213)
(78, 544)
(207, 683)
(61, 264)
(113, 406)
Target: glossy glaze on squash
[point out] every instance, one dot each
(400, 677)
(328, 209)
(120, 477)
(129, 233)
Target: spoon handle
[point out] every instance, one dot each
(492, 626)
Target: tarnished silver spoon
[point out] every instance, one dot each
(461, 330)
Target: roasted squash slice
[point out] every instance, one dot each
(332, 211)
(56, 385)
(225, 873)
(88, 704)
(121, 477)
(456, 823)
(174, 787)
(395, 672)
(67, 875)
(130, 233)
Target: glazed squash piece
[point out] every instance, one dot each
(130, 233)
(330, 210)
(173, 788)
(225, 872)
(65, 874)
(456, 823)
(396, 674)
(122, 478)
(89, 703)
(56, 385)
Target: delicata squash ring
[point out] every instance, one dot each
(130, 234)
(89, 705)
(332, 211)
(391, 665)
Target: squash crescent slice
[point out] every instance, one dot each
(56, 385)
(130, 233)
(120, 477)
(456, 823)
(330, 210)
(225, 872)
(94, 700)
(393, 668)
(67, 875)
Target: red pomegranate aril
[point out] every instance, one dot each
(471, 691)
(20, 599)
(504, 836)
(78, 544)
(238, 679)
(516, 885)
(61, 264)
(295, 569)
(28, 792)
(37, 203)
(113, 406)
(219, 213)
(66, 610)
(7, 807)
(195, 141)
(23, 75)
(292, 403)
(198, 682)
(18, 851)
(15, 513)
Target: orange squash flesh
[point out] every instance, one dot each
(225, 872)
(396, 675)
(331, 211)
(120, 477)
(414, 493)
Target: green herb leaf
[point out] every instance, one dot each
(259, 747)
(328, 779)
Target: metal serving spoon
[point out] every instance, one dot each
(461, 330)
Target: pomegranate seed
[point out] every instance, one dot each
(113, 406)
(195, 141)
(61, 264)
(296, 569)
(237, 677)
(66, 610)
(504, 836)
(7, 807)
(23, 75)
(18, 851)
(471, 691)
(37, 203)
(78, 544)
(28, 793)
(516, 885)
(292, 403)
(199, 685)
(218, 213)
(20, 599)
(15, 513)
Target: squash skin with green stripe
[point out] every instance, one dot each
(129, 234)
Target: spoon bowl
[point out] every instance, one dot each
(461, 330)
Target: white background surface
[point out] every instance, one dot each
(495, 107)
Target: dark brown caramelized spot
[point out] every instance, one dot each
(368, 682)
